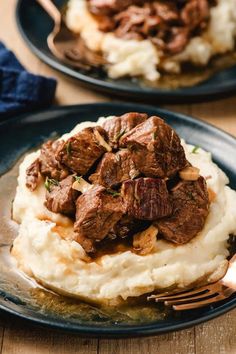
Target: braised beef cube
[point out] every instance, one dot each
(60, 197)
(156, 148)
(33, 175)
(114, 169)
(124, 227)
(82, 150)
(196, 13)
(190, 210)
(96, 214)
(127, 226)
(146, 198)
(49, 166)
(176, 40)
(166, 10)
(116, 127)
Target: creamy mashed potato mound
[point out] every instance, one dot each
(141, 58)
(45, 250)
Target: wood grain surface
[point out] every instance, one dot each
(17, 337)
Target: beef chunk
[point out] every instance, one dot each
(82, 150)
(49, 166)
(61, 198)
(96, 214)
(118, 126)
(167, 11)
(146, 198)
(33, 175)
(178, 38)
(190, 209)
(196, 13)
(114, 169)
(155, 148)
(127, 226)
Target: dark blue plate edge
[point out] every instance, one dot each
(130, 331)
(170, 96)
(125, 332)
(128, 105)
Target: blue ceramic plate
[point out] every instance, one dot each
(40, 306)
(35, 25)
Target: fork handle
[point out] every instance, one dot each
(51, 9)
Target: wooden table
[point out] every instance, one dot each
(216, 336)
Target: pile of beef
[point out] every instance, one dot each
(168, 24)
(131, 168)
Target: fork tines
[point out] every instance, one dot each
(191, 299)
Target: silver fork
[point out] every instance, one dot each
(203, 296)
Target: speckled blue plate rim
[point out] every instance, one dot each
(121, 331)
(84, 330)
(196, 93)
(124, 106)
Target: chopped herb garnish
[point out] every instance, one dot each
(195, 149)
(78, 178)
(117, 157)
(50, 182)
(68, 148)
(113, 193)
(54, 135)
(190, 195)
(120, 134)
(154, 135)
(46, 184)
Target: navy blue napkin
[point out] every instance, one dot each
(21, 91)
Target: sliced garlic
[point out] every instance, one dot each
(145, 241)
(189, 173)
(102, 141)
(81, 185)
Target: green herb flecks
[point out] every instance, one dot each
(78, 178)
(68, 148)
(195, 149)
(190, 195)
(117, 156)
(119, 135)
(113, 193)
(154, 135)
(49, 182)
(54, 135)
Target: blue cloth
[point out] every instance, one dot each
(21, 91)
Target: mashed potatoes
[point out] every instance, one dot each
(141, 58)
(45, 250)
